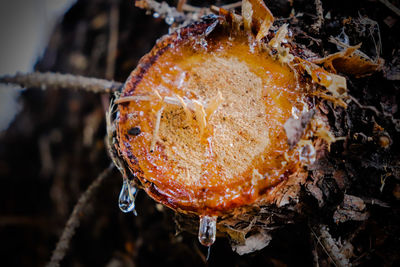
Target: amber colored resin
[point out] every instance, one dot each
(232, 156)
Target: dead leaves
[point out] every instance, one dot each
(352, 208)
(350, 61)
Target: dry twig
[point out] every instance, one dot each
(233, 5)
(183, 13)
(74, 219)
(320, 16)
(180, 5)
(49, 80)
(372, 108)
(162, 9)
(329, 245)
(392, 7)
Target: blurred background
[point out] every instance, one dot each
(52, 142)
(25, 29)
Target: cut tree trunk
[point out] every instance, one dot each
(345, 211)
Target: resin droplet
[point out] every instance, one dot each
(307, 154)
(156, 15)
(127, 197)
(207, 230)
(169, 20)
(299, 109)
(296, 113)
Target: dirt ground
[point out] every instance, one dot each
(55, 148)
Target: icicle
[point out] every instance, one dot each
(207, 230)
(127, 197)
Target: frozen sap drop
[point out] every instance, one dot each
(169, 20)
(296, 113)
(207, 230)
(127, 197)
